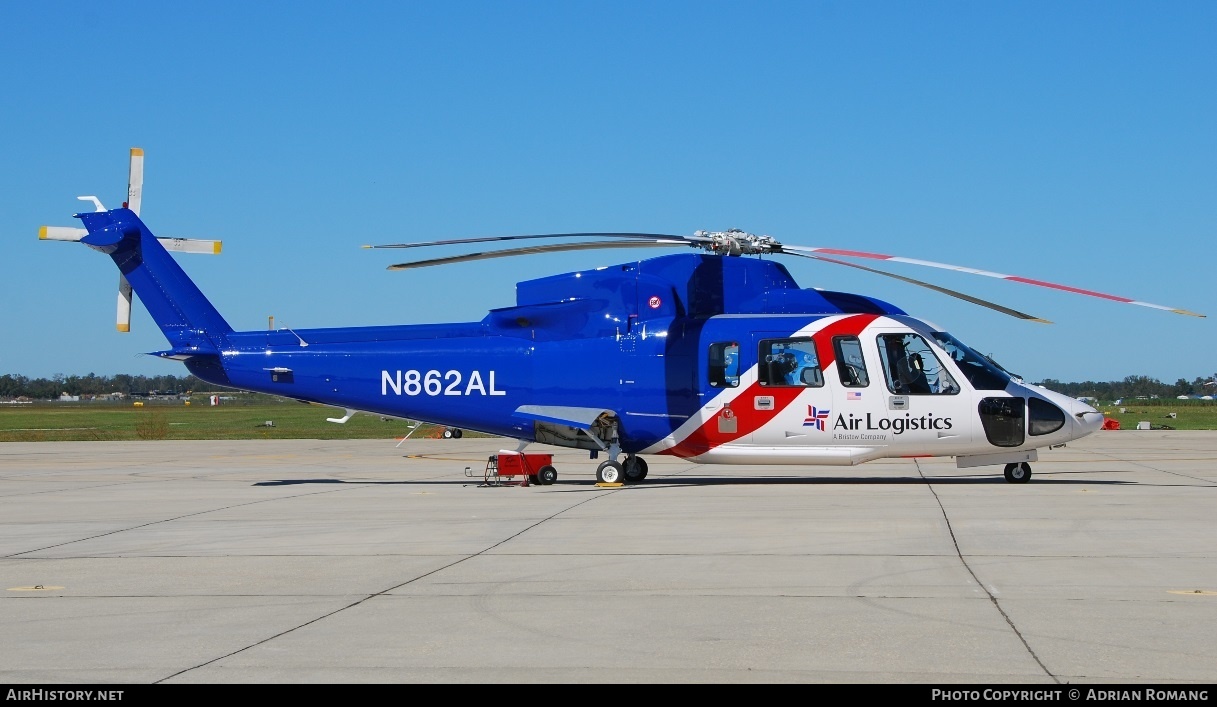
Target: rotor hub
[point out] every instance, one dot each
(734, 241)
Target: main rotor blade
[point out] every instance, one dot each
(1013, 278)
(487, 239)
(936, 288)
(554, 248)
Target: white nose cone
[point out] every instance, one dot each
(1086, 419)
(1080, 419)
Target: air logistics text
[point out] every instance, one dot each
(896, 425)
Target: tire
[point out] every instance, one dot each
(547, 475)
(1019, 473)
(447, 433)
(456, 434)
(609, 473)
(534, 480)
(635, 469)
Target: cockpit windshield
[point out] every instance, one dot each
(981, 372)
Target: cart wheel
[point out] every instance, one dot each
(547, 475)
(456, 434)
(534, 479)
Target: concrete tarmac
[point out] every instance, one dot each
(308, 561)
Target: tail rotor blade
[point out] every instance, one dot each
(124, 304)
(135, 193)
(192, 245)
(61, 233)
(135, 180)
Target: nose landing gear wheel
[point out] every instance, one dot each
(609, 473)
(1019, 473)
(635, 469)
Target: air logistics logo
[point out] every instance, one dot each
(815, 418)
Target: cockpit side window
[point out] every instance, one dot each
(910, 366)
(981, 372)
(789, 362)
(723, 368)
(850, 364)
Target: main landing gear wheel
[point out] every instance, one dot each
(1019, 473)
(546, 475)
(635, 469)
(609, 473)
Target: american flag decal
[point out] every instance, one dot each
(853, 395)
(815, 418)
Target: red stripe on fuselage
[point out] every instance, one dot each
(747, 418)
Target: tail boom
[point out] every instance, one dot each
(185, 316)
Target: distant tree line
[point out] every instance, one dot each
(1132, 387)
(16, 386)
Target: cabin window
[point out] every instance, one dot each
(790, 362)
(724, 365)
(850, 364)
(910, 366)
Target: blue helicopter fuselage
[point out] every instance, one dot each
(713, 358)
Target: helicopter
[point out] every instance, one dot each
(717, 356)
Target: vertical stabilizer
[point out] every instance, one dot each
(190, 323)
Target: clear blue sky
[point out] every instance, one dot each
(1073, 142)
